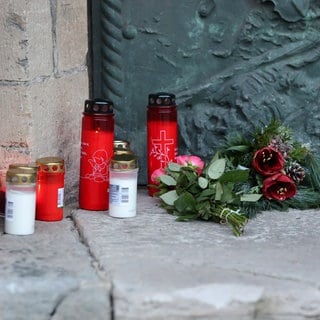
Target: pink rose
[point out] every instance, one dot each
(156, 174)
(192, 162)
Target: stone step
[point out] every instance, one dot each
(50, 275)
(152, 267)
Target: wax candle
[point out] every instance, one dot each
(97, 137)
(123, 186)
(2, 191)
(162, 132)
(20, 202)
(50, 189)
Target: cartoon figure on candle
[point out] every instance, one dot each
(99, 165)
(161, 148)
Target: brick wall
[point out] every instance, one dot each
(43, 82)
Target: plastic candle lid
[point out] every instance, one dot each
(32, 167)
(162, 99)
(98, 106)
(50, 164)
(123, 162)
(121, 144)
(21, 176)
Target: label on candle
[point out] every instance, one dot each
(119, 195)
(9, 211)
(60, 197)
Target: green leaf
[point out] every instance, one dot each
(203, 182)
(168, 180)
(169, 197)
(216, 168)
(235, 176)
(205, 195)
(172, 166)
(250, 197)
(228, 196)
(219, 191)
(215, 157)
(240, 148)
(185, 203)
(191, 175)
(209, 192)
(187, 217)
(194, 188)
(182, 180)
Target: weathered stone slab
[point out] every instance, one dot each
(163, 269)
(71, 35)
(50, 275)
(26, 40)
(56, 129)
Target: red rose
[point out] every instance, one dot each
(268, 161)
(279, 187)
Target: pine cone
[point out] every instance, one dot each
(278, 144)
(296, 172)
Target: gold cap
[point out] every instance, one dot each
(121, 144)
(21, 176)
(32, 167)
(50, 164)
(122, 151)
(124, 162)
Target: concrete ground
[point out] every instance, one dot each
(92, 266)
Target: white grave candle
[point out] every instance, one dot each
(123, 186)
(20, 202)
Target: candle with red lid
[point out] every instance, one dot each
(50, 189)
(162, 132)
(97, 139)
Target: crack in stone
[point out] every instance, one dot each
(53, 11)
(271, 276)
(59, 302)
(41, 79)
(101, 273)
(111, 301)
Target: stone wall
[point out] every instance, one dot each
(232, 64)
(43, 82)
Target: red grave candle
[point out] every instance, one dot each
(2, 191)
(162, 132)
(50, 189)
(96, 152)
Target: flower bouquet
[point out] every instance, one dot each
(264, 170)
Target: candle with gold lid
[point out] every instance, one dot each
(123, 186)
(28, 166)
(24, 166)
(50, 189)
(20, 201)
(122, 147)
